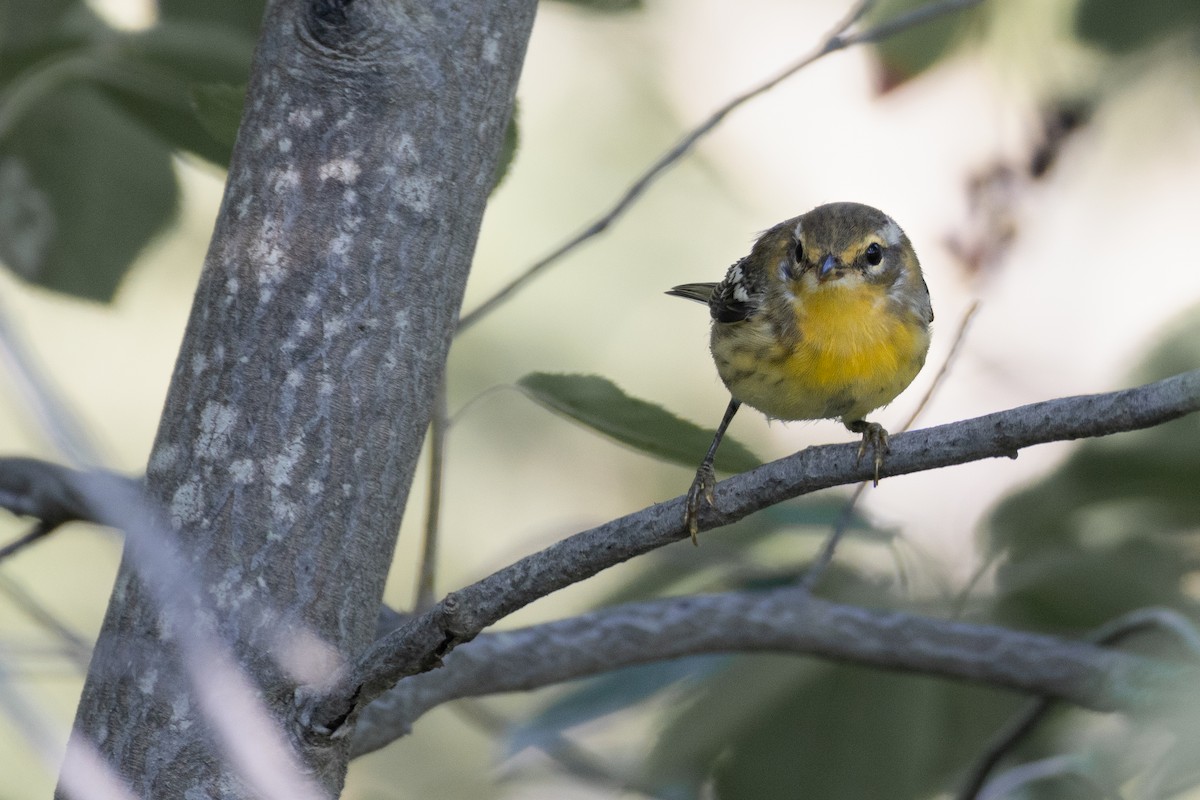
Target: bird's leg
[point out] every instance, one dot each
(874, 436)
(705, 481)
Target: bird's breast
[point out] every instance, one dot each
(846, 351)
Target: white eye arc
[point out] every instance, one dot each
(891, 233)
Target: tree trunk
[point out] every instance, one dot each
(303, 387)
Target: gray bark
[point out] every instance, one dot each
(304, 384)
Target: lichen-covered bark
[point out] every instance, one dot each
(312, 356)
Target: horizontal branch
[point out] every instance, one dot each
(420, 644)
(780, 621)
(30, 487)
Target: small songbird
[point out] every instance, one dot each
(827, 318)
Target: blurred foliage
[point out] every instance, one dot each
(89, 117)
(910, 53)
(766, 726)
(508, 148)
(242, 16)
(599, 404)
(1123, 27)
(1114, 529)
(1118, 26)
(219, 108)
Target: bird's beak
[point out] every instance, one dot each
(827, 267)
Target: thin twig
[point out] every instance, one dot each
(817, 569)
(834, 42)
(39, 531)
(78, 649)
(57, 422)
(960, 335)
(438, 426)
(84, 774)
(1137, 621)
(812, 575)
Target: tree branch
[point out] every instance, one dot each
(419, 644)
(786, 620)
(30, 487)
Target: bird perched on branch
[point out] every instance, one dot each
(827, 318)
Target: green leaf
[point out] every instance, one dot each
(241, 15)
(155, 77)
(219, 108)
(82, 190)
(784, 727)
(1122, 26)
(508, 150)
(599, 404)
(615, 691)
(32, 23)
(910, 53)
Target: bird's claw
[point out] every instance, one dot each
(701, 489)
(875, 437)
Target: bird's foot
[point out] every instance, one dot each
(874, 437)
(701, 490)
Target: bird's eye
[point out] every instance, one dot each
(874, 254)
(799, 252)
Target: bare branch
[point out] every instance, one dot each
(420, 643)
(30, 487)
(786, 620)
(439, 424)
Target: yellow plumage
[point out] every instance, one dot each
(827, 318)
(850, 359)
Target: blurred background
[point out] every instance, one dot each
(1042, 155)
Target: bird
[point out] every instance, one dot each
(828, 317)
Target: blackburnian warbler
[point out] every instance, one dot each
(827, 318)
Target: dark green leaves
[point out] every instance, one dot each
(160, 72)
(219, 109)
(600, 405)
(89, 117)
(242, 16)
(1122, 26)
(910, 53)
(82, 189)
(785, 727)
(508, 149)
